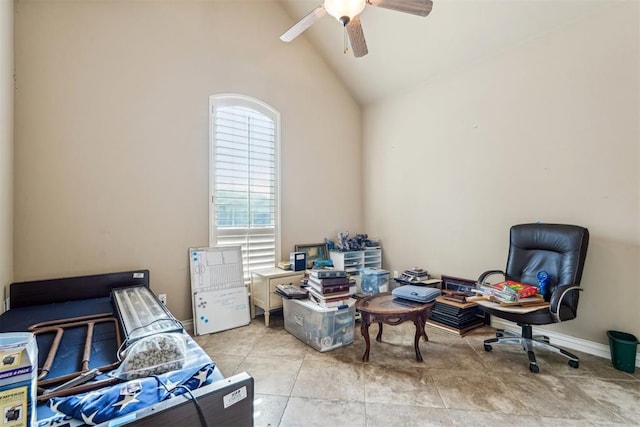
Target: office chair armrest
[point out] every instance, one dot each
(483, 276)
(557, 299)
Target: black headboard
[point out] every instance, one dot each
(38, 292)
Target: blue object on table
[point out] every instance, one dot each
(323, 263)
(416, 293)
(543, 282)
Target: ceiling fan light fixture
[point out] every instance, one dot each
(347, 12)
(341, 8)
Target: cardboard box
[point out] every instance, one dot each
(18, 378)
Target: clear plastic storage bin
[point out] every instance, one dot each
(322, 328)
(374, 280)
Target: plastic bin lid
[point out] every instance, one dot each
(316, 307)
(371, 270)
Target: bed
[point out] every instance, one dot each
(219, 401)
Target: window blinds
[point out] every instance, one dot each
(244, 196)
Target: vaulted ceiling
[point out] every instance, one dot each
(405, 50)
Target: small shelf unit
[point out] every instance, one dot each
(353, 261)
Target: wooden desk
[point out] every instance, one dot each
(263, 289)
(385, 308)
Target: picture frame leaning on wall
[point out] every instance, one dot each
(313, 252)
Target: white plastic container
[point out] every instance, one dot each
(322, 328)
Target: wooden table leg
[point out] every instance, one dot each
(423, 319)
(419, 333)
(379, 336)
(364, 330)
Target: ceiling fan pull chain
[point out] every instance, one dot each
(344, 36)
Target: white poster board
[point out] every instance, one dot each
(220, 299)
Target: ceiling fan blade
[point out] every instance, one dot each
(308, 20)
(415, 7)
(356, 37)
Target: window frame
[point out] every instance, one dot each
(238, 100)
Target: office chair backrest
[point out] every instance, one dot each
(558, 249)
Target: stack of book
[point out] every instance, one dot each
(415, 274)
(509, 291)
(291, 291)
(457, 317)
(328, 288)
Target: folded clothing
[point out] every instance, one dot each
(416, 293)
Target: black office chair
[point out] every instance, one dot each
(560, 250)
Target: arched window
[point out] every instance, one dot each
(244, 178)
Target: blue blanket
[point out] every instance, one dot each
(105, 404)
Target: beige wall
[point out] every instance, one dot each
(111, 146)
(548, 131)
(111, 160)
(6, 146)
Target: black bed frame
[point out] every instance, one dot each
(38, 292)
(227, 402)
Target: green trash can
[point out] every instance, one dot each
(623, 350)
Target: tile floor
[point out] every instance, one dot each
(458, 384)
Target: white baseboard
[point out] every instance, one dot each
(562, 340)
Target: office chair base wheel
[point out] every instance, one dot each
(534, 368)
(487, 347)
(574, 364)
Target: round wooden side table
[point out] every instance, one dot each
(386, 308)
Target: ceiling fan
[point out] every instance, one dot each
(347, 12)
